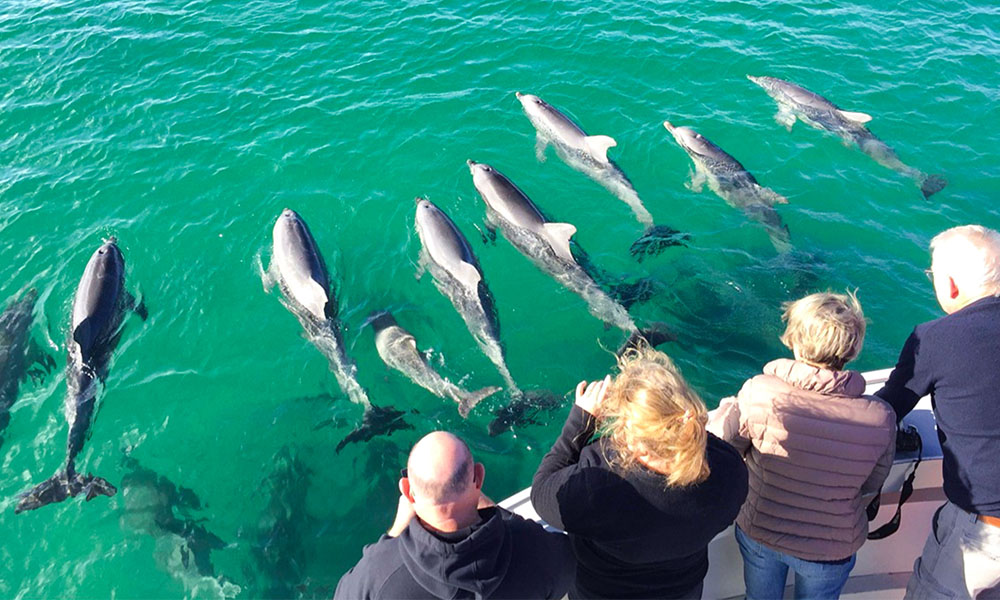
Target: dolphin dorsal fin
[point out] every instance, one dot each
(597, 146)
(315, 299)
(857, 117)
(558, 235)
(468, 275)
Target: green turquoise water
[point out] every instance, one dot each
(184, 128)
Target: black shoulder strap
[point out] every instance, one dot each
(908, 438)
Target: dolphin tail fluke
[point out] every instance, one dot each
(630, 293)
(522, 410)
(652, 336)
(655, 240)
(378, 420)
(932, 184)
(61, 486)
(468, 400)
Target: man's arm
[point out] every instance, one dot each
(404, 514)
(357, 584)
(910, 380)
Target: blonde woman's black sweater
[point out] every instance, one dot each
(634, 536)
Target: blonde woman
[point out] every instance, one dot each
(814, 446)
(642, 502)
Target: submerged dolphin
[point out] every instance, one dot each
(398, 349)
(449, 258)
(155, 506)
(732, 182)
(298, 268)
(585, 153)
(99, 308)
(18, 353)
(545, 243)
(796, 102)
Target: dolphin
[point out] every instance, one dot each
(796, 102)
(155, 506)
(585, 153)
(733, 183)
(449, 258)
(300, 272)
(99, 309)
(545, 243)
(398, 349)
(18, 353)
(278, 541)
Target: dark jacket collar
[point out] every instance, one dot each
(475, 565)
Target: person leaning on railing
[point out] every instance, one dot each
(814, 445)
(641, 503)
(956, 359)
(451, 541)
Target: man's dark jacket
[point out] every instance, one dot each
(956, 359)
(504, 556)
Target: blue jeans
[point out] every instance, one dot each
(765, 571)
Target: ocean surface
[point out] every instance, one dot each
(183, 129)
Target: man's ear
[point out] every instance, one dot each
(478, 475)
(952, 289)
(404, 488)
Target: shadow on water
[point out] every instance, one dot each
(155, 506)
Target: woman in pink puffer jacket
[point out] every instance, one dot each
(814, 446)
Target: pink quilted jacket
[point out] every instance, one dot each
(813, 445)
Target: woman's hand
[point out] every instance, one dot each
(589, 396)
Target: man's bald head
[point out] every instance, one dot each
(440, 468)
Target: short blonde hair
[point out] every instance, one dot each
(650, 409)
(825, 329)
(970, 255)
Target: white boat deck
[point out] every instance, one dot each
(883, 566)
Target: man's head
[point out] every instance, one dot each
(965, 264)
(443, 482)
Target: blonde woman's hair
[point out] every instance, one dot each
(650, 410)
(825, 329)
(970, 254)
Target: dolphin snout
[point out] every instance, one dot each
(418, 200)
(518, 94)
(471, 162)
(668, 126)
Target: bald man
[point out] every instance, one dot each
(450, 541)
(956, 359)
